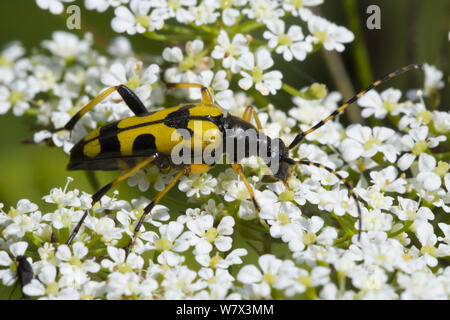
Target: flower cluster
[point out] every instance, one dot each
(399, 166)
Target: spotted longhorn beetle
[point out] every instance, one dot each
(143, 139)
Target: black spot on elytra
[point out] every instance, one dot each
(178, 119)
(144, 142)
(108, 139)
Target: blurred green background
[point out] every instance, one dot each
(412, 31)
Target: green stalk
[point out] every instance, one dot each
(360, 56)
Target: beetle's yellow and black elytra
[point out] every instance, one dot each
(147, 139)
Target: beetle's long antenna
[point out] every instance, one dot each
(342, 179)
(342, 107)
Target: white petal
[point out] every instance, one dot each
(249, 274)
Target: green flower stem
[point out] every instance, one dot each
(179, 29)
(248, 27)
(97, 252)
(32, 112)
(311, 294)
(169, 37)
(292, 91)
(345, 224)
(62, 234)
(442, 156)
(342, 81)
(404, 229)
(360, 54)
(37, 241)
(209, 30)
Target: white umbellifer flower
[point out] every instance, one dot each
(421, 286)
(312, 228)
(283, 217)
(428, 239)
(127, 216)
(181, 14)
(337, 201)
(151, 176)
(288, 44)
(217, 261)
(417, 142)
(120, 262)
(375, 197)
(171, 237)
(380, 251)
(417, 115)
(297, 7)
(310, 112)
(193, 60)
(329, 34)
(298, 280)
(229, 13)
(441, 121)
(17, 95)
(375, 220)
(120, 47)
(197, 185)
(433, 78)
(219, 283)
(230, 51)
(387, 180)
(373, 283)
(139, 19)
(134, 76)
(205, 12)
(74, 266)
(265, 83)
(236, 190)
(429, 173)
(409, 210)
(263, 10)
(261, 283)
(67, 45)
(9, 276)
(366, 142)
(121, 285)
(102, 5)
(24, 218)
(62, 197)
(9, 56)
(206, 235)
(180, 282)
(49, 287)
(379, 105)
(444, 195)
(54, 6)
(217, 84)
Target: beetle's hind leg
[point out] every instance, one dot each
(130, 98)
(238, 169)
(151, 205)
(100, 193)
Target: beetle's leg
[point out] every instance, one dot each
(238, 169)
(100, 193)
(342, 107)
(247, 116)
(130, 98)
(150, 206)
(347, 184)
(206, 95)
